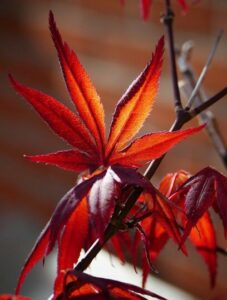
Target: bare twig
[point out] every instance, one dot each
(221, 251)
(205, 116)
(167, 19)
(204, 70)
(209, 102)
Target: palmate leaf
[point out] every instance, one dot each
(155, 231)
(203, 235)
(205, 189)
(85, 132)
(156, 235)
(84, 286)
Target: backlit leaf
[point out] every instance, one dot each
(172, 182)
(72, 160)
(52, 232)
(151, 146)
(204, 239)
(71, 242)
(201, 191)
(135, 105)
(66, 124)
(110, 289)
(80, 87)
(37, 253)
(103, 195)
(66, 207)
(202, 235)
(111, 174)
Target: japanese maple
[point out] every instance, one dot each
(202, 236)
(111, 163)
(194, 194)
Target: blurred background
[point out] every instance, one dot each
(114, 44)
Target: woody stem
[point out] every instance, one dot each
(167, 20)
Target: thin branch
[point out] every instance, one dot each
(208, 102)
(221, 251)
(167, 20)
(207, 117)
(205, 69)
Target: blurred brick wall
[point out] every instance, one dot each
(114, 45)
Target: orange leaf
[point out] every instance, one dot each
(135, 105)
(151, 146)
(80, 87)
(204, 239)
(172, 181)
(85, 286)
(71, 242)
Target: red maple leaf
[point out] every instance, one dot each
(84, 286)
(202, 235)
(207, 188)
(155, 235)
(111, 163)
